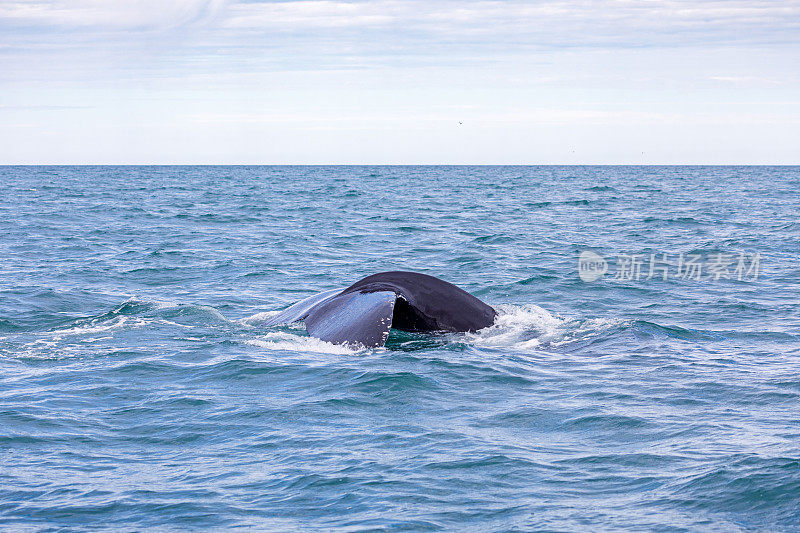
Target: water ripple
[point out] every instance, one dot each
(139, 390)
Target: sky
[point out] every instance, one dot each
(399, 82)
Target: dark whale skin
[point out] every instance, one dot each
(365, 312)
(426, 303)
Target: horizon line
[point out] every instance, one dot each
(399, 164)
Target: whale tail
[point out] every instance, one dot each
(364, 313)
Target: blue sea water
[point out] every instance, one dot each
(138, 389)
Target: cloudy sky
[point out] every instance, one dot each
(399, 81)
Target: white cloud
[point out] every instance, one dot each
(104, 15)
(514, 22)
(560, 22)
(310, 14)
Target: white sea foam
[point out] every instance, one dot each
(70, 340)
(91, 327)
(530, 327)
(518, 327)
(280, 340)
(97, 339)
(171, 323)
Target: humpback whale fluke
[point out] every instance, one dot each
(363, 313)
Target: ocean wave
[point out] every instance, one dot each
(258, 318)
(292, 342)
(763, 488)
(530, 327)
(520, 328)
(91, 326)
(73, 338)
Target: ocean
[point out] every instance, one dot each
(643, 372)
